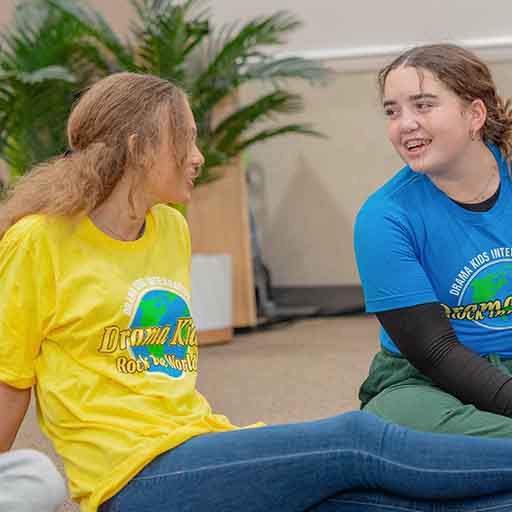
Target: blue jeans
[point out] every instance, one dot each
(322, 466)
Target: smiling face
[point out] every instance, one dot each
(168, 181)
(428, 124)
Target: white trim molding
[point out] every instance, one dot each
(371, 58)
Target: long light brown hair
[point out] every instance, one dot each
(469, 78)
(99, 129)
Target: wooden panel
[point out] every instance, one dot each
(215, 336)
(219, 222)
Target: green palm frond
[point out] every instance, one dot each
(235, 125)
(120, 54)
(278, 69)
(215, 158)
(26, 136)
(39, 72)
(31, 45)
(288, 129)
(56, 48)
(39, 75)
(227, 67)
(243, 56)
(165, 35)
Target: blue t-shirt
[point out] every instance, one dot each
(415, 245)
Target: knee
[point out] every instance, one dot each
(360, 425)
(42, 486)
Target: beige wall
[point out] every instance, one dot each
(310, 190)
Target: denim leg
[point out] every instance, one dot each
(294, 467)
(378, 501)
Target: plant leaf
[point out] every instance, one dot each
(40, 75)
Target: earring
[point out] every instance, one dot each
(472, 135)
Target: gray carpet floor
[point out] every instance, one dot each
(294, 372)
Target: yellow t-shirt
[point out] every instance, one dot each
(103, 329)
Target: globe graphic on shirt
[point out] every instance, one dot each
(492, 285)
(161, 308)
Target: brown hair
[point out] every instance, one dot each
(99, 129)
(469, 78)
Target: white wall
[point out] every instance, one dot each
(347, 27)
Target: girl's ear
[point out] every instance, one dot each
(478, 115)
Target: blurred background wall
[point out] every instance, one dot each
(308, 191)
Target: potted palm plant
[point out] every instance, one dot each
(55, 48)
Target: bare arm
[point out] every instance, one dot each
(13, 406)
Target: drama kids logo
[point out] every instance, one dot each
(161, 337)
(484, 290)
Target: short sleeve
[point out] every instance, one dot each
(390, 270)
(24, 294)
(183, 232)
(186, 238)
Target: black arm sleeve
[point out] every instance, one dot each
(426, 338)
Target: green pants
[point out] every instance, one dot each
(397, 392)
